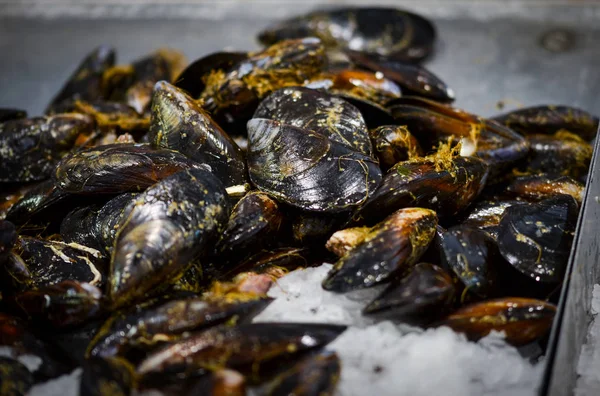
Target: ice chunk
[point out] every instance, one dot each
(66, 385)
(32, 362)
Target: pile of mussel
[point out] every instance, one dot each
(148, 212)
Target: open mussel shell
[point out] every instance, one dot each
(386, 31)
(536, 238)
(145, 326)
(307, 170)
(393, 144)
(540, 187)
(15, 378)
(86, 82)
(549, 119)
(473, 257)
(7, 114)
(425, 294)
(446, 186)
(103, 376)
(64, 304)
(315, 374)
(522, 320)
(319, 112)
(178, 123)
(413, 79)
(246, 347)
(163, 229)
(563, 153)
(391, 247)
(31, 147)
(118, 168)
(191, 79)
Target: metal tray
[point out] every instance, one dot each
(496, 55)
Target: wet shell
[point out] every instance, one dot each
(539, 187)
(549, 119)
(386, 31)
(145, 326)
(31, 147)
(522, 320)
(319, 112)
(179, 124)
(316, 374)
(562, 153)
(163, 229)
(366, 85)
(8, 238)
(342, 241)
(393, 144)
(447, 187)
(536, 238)
(245, 347)
(118, 168)
(391, 247)
(80, 226)
(306, 169)
(420, 297)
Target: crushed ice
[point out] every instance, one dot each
(386, 359)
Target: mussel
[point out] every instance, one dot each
(542, 186)
(308, 170)
(387, 31)
(563, 153)
(393, 144)
(390, 247)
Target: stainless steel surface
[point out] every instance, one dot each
(513, 53)
(569, 331)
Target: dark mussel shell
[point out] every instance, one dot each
(15, 378)
(86, 82)
(386, 31)
(314, 229)
(144, 326)
(107, 376)
(38, 199)
(549, 119)
(393, 144)
(193, 280)
(563, 153)
(275, 262)
(307, 170)
(362, 84)
(8, 238)
(109, 218)
(391, 247)
(178, 123)
(11, 114)
(424, 295)
(254, 222)
(432, 123)
(50, 262)
(539, 187)
(245, 347)
(536, 238)
(221, 382)
(319, 112)
(109, 116)
(289, 63)
(374, 114)
(63, 304)
(316, 374)
(523, 320)
(31, 147)
(163, 229)
(342, 241)
(117, 168)
(447, 186)
(80, 226)
(473, 257)
(486, 215)
(192, 78)
(163, 64)
(413, 79)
